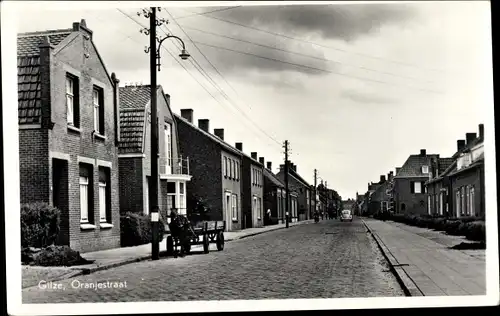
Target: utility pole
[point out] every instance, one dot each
(287, 194)
(326, 191)
(315, 190)
(154, 61)
(155, 250)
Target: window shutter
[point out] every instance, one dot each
(412, 187)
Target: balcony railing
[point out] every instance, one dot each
(174, 166)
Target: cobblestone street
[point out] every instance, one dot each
(329, 259)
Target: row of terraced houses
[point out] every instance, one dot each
(430, 184)
(84, 145)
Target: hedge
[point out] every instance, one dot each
(39, 225)
(473, 228)
(53, 256)
(136, 229)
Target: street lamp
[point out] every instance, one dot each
(155, 61)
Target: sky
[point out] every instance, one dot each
(355, 88)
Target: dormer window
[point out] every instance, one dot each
(425, 169)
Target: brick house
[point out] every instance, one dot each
(67, 115)
(303, 209)
(459, 189)
(216, 167)
(380, 198)
(409, 184)
(252, 190)
(275, 195)
(372, 187)
(135, 154)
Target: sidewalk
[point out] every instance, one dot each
(423, 262)
(111, 258)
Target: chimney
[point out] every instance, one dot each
(423, 152)
(45, 92)
(261, 160)
(270, 166)
(470, 137)
(382, 178)
(219, 132)
(239, 146)
(294, 167)
(460, 144)
(82, 25)
(204, 125)
(481, 131)
(282, 167)
(187, 114)
(398, 169)
(167, 96)
(116, 105)
(254, 155)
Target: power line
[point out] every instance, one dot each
(317, 44)
(314, 68)
(203, 13)
(305, 55)
(220, 89)
(173, 57)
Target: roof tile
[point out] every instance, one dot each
(28, 73)
(131, 130)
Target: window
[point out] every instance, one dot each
(457, 202)
(467, 200)
(425, 169)
(182, 196)
(441, 197)
(429, 208)
(84, 199)
(417, 187)
(104, 195)
(471, 202)
(234, 207)
(225, 166)
(98, 102)
(168, 147)
(463, 205)
(72, 102)
(237, 170)
(230, 168)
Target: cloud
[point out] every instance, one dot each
(345, 22)
(365, 98)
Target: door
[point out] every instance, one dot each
(228, 210)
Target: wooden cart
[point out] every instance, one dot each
(203, 233)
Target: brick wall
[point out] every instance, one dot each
(89, 71)
(34, 165)
(469, 177)
(131, 189)
(205, 166)
(416, 203)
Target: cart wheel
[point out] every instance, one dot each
(206, 244)
(220, 241)
(170, 246)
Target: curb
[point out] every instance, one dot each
(407, 284)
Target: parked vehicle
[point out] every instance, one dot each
(209, 231)
(346, 215)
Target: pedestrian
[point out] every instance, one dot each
(268, 214)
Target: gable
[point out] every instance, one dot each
(80, 52)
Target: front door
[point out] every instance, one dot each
(228, 210)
